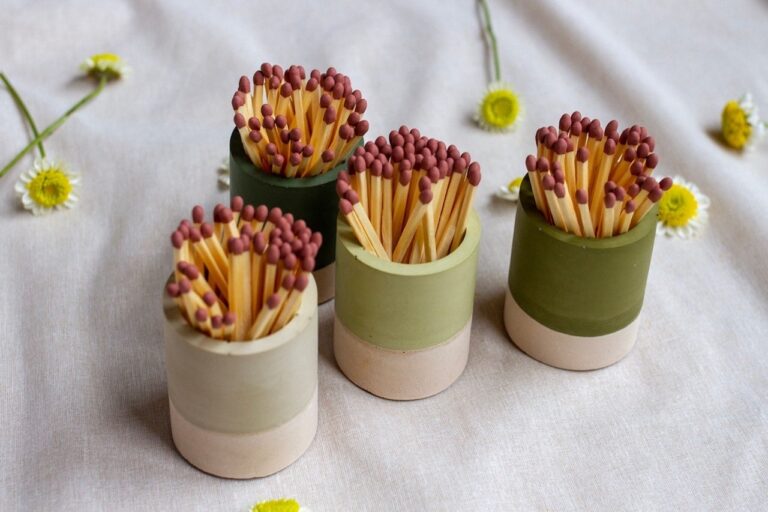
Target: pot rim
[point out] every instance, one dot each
(465, 250)
(528, 208)
(237, 152)
(273, 341)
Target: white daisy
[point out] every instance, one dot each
(682, 210)
(500, 109)
(510, 192)
(105, 64)
(741, 125)
(223, 171)
(48, 186)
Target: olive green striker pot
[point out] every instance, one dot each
(574, 302)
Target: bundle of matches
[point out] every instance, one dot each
(243, 276)
(407, 200)
(594, 182)
(297, 127)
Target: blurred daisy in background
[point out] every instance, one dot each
(107, 65)
(741, 126)
(510, 192)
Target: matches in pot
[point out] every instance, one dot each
(298, 127)
(407, 199)
(243, 276)
(592, 181)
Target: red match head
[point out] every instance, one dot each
(172, 289)
(302, 281)
(209, 298)
(184, 285)
(273, 301)
(530, 163)
(245, 85)
(275, 214)
(177, 239)
(273, 254)
(235, 246)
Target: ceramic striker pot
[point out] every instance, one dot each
(402, 330)
(574, 302)
(243, 409)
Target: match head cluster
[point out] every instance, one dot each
(592, 181)
(407, 198)
(297, 126)
(242, 276)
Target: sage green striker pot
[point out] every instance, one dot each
(402, 331)
(574, 302)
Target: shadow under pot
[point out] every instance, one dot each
(574, 302)
(402, 331)
(243, 409)
(312, 199)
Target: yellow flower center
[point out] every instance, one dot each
(276, 506)
(106, 58)
(500, 108)
(108, 65)
(735, 126)
(50, 188)
(677, 206)
(515, 184)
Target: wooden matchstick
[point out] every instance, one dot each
(585, 218)
(625, 219)
(414, 221)
(473, 180)
(566, 206)
(606, 223)
(365, 224)
(386, 213)
(548, 184)
(239, 296)
(292, 303)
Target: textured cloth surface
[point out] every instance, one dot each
(680, 424)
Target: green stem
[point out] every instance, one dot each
(488, 28)
(20, 104)
(53, 126)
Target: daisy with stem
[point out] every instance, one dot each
(500, 108)
(49, 185)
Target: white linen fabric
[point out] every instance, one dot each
(680, 424)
